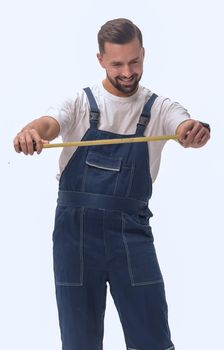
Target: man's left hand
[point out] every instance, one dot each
(192, 133)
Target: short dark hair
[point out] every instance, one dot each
(118, 31)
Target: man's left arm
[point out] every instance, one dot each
(193, 133)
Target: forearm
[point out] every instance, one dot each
(46, 127)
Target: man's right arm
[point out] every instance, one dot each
(32, 137)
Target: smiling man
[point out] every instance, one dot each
(102, 233)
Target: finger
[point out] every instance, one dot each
(16, 145)
(22, 144)
(37, 141)
(43, 142)
(29, 143)
(204, 138)
(191, 136)
(198, 137)
(184, 129)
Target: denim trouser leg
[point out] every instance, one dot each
(136, 284)
(80, 276)
(143, 314)
(81, 314)
(95, 246)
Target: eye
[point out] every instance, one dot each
(117, 64)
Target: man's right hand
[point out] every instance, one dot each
(35, 134)
(28, 141)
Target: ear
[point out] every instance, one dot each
(143, 50)
(100, 59)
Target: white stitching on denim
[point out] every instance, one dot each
(172, 348)
(102, 167)
(127, 250)
(147, 283)
(116, 182)
(64, 284)
(81, 245)
(130, 180)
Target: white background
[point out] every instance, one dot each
(48, 51)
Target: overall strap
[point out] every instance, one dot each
(94, 114)
(145, 116)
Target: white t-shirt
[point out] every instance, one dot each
(118, 115)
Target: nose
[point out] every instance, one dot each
(127, 71)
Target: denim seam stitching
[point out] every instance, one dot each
(130, 180)
(148, 283)
(116, 182)
(68, 284)
(104, 234)
(127, 251)
(102, 167)
(81, 246)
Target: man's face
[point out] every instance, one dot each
(124, 67)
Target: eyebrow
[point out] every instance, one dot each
(135, 59)
(119, 62)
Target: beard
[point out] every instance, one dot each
(131, 85)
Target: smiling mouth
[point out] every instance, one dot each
(126, 80)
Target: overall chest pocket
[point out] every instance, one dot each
(104, 173)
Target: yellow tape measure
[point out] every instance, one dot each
(110, 141)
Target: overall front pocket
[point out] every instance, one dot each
(68, 246)
(142, 261)
(101, 173)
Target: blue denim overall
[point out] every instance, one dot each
(102, 236)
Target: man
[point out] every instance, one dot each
(102, 231)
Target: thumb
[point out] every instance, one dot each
(184, 129)
(44, 141)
